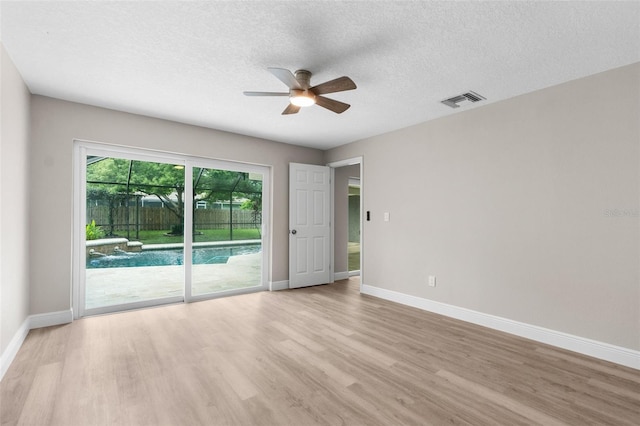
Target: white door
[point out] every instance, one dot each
(309, 225)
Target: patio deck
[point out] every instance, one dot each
(113, 286)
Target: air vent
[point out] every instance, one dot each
(465, 97)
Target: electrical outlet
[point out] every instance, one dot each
(432, 281)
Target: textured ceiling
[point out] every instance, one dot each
(191, 61)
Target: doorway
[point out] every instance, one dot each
(347, 218)
(154, 228)
(353, 245)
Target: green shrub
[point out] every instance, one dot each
(94, 232)
(177, 229)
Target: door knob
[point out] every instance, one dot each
(294, 232)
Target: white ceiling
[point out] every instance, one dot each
(191, 61)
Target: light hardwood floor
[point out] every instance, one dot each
(318, 356)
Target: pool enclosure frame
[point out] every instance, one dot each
(128, 195)
(84, 149)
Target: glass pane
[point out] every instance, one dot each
(227, 223)
(134, 231)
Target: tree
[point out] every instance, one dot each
(222, 185)
(114, 179)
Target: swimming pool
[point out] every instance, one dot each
(201, 255)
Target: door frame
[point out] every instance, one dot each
(334, 165)
(352, 183)
(80, 148)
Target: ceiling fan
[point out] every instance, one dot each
(301, 94)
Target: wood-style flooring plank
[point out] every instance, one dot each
(323, 355)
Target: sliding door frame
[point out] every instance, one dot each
(82, 148)
(265, 171)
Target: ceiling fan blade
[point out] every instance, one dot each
(332, 105)
(286, 77)
(266, 93)
(291, 109)
(337, 85)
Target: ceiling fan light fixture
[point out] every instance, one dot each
(302, 98)
(302, 94)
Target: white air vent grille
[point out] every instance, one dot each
(465, 97)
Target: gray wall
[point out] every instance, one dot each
(526, 209)
(56, 123)
(14, 195)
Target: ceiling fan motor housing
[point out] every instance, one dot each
(304, 78)
(302, 97)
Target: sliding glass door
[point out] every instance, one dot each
(226, 229)
(158, 228)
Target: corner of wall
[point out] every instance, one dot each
(10, 352)
(15, 106)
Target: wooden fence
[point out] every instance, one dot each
(160, 218)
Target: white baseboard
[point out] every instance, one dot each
(337, 276)
(593, 348)
(354, 273)
(50, 318)
(14, 346)
(278, 285)
(31, 322)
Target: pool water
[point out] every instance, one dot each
(204, 255)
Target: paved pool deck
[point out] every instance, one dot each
(113, 286)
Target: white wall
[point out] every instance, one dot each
(526, 209)
(14, 195)
(54, 126)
